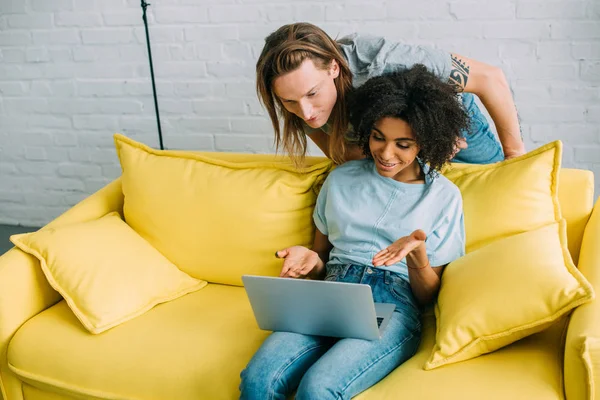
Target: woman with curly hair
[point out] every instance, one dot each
(388, 220)
(303, 77)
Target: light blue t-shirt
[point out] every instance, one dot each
(362, 212)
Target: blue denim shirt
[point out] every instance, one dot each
(369, 56)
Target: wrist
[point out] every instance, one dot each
(417, 259)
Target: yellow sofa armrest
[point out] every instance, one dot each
(582, 346)
(24, 290)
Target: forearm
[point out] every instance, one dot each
(424, 280)
(490, 85)
(497, 98)
(318, 273)
(322, 247)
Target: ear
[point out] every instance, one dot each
(334, 69)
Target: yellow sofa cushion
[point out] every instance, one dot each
(215, 219)
(505, 291)
(195, 348)
(530, 369)
(105, 271)
(509, 197)
(192, 348)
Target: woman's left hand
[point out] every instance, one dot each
(399, 249)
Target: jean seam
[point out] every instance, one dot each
(409, 337)
(286, 366)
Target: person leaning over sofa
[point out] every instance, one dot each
(304, 76)
(388, 220)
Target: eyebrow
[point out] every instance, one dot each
(311, 89)
(397, 139)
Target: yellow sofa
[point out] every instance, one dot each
(195, 347)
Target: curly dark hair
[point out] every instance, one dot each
(418, 97)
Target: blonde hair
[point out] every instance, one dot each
(284, 51)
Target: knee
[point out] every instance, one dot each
(255, 384)
(319, 386)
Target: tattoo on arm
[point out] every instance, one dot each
(459, 75)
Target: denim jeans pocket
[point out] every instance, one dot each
(335, 272)
(401, 291)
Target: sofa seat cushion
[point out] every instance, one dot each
(196, 346)
(528, 369)
(191, 348)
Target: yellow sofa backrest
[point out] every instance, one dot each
(576, 197)
(575, 192)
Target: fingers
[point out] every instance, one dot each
(389, 257)
(296, 270)
(282, 253)
(383, 254)
(462, 143)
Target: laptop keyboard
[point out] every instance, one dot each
(379, 321)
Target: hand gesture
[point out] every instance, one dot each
(400, 249)
(299, 261)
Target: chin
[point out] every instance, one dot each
(317, 123)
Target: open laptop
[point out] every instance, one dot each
(312, 307)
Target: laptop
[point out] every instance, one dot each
(311, 307)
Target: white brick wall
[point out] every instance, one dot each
(72, 72)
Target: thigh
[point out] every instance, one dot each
(353, 365)
(277, 367)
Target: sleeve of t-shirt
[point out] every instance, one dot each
(319, 211)
(447, 241)
(373, 55)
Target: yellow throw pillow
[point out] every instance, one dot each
(505, 291)
(509, 197)
(218, 219)
(105, 271)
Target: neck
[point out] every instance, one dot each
(411, 174)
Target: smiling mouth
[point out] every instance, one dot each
(386, 165)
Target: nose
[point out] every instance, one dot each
(305, 110)
(387, 153)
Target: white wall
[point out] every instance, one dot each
(72, 72)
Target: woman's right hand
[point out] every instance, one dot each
(299, 262)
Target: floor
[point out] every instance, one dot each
(6, 231)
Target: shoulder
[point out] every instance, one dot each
(350, 170)
(359, 39)
(446, 191)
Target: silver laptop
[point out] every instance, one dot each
(312, 307)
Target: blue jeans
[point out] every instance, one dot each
(484, 147)
(323, 368)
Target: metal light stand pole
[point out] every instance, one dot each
(160, 139)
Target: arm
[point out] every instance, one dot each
(424, 280)
(301, 262)
(490, 85)
(321, 139)
(322, 247)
